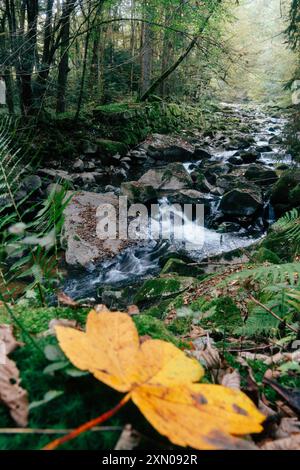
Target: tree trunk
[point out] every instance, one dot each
(41, 81)
(63, 68)
(158, 82)
(28, 55)
(147, 54)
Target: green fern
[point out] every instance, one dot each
(28, 233)
(259, 322)
(269, 274)
(283, 300)
(289, 226)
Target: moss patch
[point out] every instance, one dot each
(162, 287)
(155, 328)
(36, 320)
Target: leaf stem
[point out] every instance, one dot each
(88, 425)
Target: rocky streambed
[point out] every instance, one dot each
(232, 172)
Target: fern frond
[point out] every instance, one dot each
(289, 226)
(270, 274)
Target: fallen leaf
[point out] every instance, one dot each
(12, 394)
(292, 397)
(209, 356)
(129, 439)
(7, 337)
(287, 427)
(232, 380)
(160, 380)
(64, 299)
(133, 310)
(56, 322)
(289, 443)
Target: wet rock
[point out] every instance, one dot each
(171, 154)
(212, 172)
(53, 187)
(191, 196)
(250, 156)
(157, 183)
(85, 178)
(125, 166)
(31, 183)
(240, 143)
(283, 167)
(83, 246)
(235, 160)
(109, 148)
(261, 175)
(78, 165)
(229, 227)
(56, 174)
(91, 165)
(180, 267)
(281, 194)
(200, 154)
(114, 299)
(109, 189)
(275, 140)
(264, 149)
(241, 202)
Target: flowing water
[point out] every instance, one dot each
(199, 242)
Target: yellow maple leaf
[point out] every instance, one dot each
(160, 380)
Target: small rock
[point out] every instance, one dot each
(86, 178)
(133, 310)
(91, 165)
(53, 187)
(126, 159)
(110, 189)
(235, 161)
(261, 175)
(264, 149)
(250, 156)
(31, 183)
(240, 202)
(276, 139)
(78, 165)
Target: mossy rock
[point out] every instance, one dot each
(159, 310)
(110, 147)
(149, 326)
(137, 192)
(285, 193)
(162, 288)
(175, 265)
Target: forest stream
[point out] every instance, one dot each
(223, 231)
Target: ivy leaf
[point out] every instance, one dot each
(161, 381)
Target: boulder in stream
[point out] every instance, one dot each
(157, 183)
(241, 202)
(261, 175)
(83, 247)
